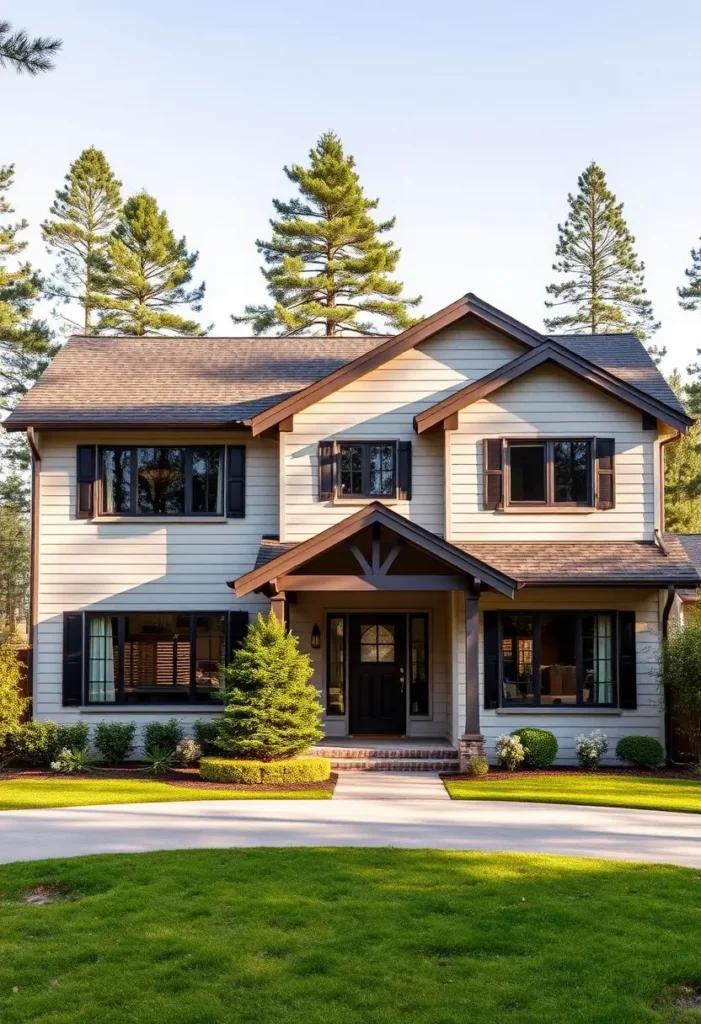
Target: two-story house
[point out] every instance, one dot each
(462, 523)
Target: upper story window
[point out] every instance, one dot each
(367, 469)
(163, 481)
(550, 472)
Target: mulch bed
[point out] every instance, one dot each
(188, 778)
(676, 772)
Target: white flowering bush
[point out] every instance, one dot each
(510, 752)
(590, 749)
(72, 761)
(188, 751)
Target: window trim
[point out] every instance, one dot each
(133, 513)
(119, 700)
(536, 702)
(549, 504)
(365, 469)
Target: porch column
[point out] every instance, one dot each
(278, 606)
(472, 741)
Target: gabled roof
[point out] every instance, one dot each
(293, 558)
(550, 351)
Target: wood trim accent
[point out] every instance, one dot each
(548, 351)
(302, 553)
(360, 559)
(98, 424)
(33, 560)
(393, 347)
(369, 583)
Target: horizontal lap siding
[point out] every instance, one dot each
(647, 719)
(381, 406)
(313, 608)
(139, 566)
(551, 402)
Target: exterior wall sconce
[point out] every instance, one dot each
(316, 637)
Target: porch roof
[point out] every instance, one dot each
(544, 563)
(451, 568)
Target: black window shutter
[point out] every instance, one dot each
(327, 470)
(86, 464)
(72, 659)
(605, 472)
(236, 481)
(493, 473)
(627, 684)
(404, 471)
(490, 625)
(238, 627)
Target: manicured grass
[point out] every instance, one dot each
(347, 936)
(21, 794)
(661, 794)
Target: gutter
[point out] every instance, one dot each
(33, 561)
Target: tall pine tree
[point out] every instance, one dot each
(683, 467)
(149, 271)
(690, 293)
(83, 214)
(603, 291)
(327, 264)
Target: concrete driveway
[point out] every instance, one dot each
(409, 823)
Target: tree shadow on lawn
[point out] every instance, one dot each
(344, 936)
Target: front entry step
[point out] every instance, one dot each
(395, 757)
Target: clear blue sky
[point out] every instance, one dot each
(470, 121)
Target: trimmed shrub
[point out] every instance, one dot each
(298, 769)
(205, 734)
(510, 752)
(40, 743)
(188, 751)
(642, 751)
(478, 766)
(590, 749)
(73, 737)
(272, 710)
(163, 736)
(539, 747)
(115, 741)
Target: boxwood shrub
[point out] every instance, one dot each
(298, 769)
(643, 751)
(539, 745)
(478, 766)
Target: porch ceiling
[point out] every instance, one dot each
(374, 549)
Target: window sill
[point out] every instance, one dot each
(362, 502)
(147, 520)
(557, 710)
(539, 510)
(153, 709)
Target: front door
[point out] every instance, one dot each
(377, 679)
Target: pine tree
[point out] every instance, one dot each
(26, 345)
(690, 294)
(84, 214)
(604, 290)
(272, 709)
(327, 263)
(683, 470)
(20, 52)
(149, 271)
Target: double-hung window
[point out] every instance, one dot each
(163, 481)
(368, 469)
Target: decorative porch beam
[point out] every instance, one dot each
(389, 560)
(371, 582)
(361, 559)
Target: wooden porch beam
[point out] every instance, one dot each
(372, 582)
(389, 560)
(361, 559)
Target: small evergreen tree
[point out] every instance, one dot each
(12, 704)
(83, 214)
(19, 51)
(272, 710)
(149, 271)
(690, 294)
(327, 263)
(604, 291)
(682, 460)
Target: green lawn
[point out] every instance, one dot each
(347, 936)
(604, 790)
(20, 794)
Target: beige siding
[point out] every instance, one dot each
(647, 719)
(138, 565)
(551, 402)
(313, 608)
(381, 406)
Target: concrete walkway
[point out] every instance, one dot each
(409, 823)
(390, 786)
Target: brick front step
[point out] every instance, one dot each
(386, 753)
(392, 764)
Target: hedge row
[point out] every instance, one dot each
(299, 769)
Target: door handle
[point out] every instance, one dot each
(401, 678)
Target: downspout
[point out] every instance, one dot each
(33, 561)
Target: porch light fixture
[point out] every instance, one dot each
(316, 637)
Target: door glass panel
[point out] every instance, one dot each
(376, 643)
(418, 689)
(335, 686)
(385, 652)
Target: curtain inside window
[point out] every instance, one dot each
(101, 661)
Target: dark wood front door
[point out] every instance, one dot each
(377, 683)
